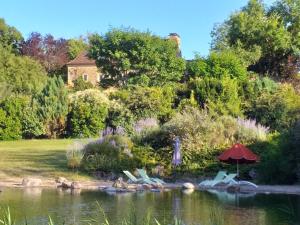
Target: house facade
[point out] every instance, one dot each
(83, 66)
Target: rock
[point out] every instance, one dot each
(187, 191)
(233, 188)
(75, 185)
(119, 183)
(188, 186)
(32, 182)
(146, 186)
(60, 180)
(66, 184)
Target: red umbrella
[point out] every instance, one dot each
(238, 154)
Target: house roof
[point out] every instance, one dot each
(82, 59)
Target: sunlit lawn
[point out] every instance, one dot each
(42, 158)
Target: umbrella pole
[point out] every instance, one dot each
(237, 168)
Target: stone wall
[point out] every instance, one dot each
(75, 71)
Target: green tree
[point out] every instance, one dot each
(10, 37)
(136, 57)
(20, 74)
(53, 107)
(217, 64)
(256, 29)
(76, 46)
(87, 113)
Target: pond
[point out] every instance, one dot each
(198, 207)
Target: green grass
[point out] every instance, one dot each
(40, 158)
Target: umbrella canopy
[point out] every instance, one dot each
(238, 154)
(176, 160)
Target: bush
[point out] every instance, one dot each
(110, 153)
(219, 96)
(146, 102)
(74, 155)
(277, 110)
(81, 85)
(87, 113)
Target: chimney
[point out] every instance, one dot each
(175, 37)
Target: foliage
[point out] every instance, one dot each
(218, 65)
(277, 110)
(219, 96)
(272, 35)
(75, 47)
(10, 37)
(146, 102)
(51, 53)
(81, 85)
(87, 113)
(110, 153)
(53, 107)
(21, 74)
(74, 155)
(127, 55)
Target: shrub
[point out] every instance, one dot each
(146, 102)
(110, 153)
(87, 113)
(81, 85)
(219, 96)
(277, 110)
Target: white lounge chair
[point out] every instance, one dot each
(220, 176)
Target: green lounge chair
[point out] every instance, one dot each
(229, 179)
(220, 176)
(144, 175)
(135, 180)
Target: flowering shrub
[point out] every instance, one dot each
(249, 130)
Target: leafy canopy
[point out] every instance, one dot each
(129, 56)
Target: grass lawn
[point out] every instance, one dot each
(39, 158)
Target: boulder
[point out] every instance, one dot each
(66, 184)
(75, 185)
(188, 186)
(119, 183)
(233, 188)
(60, 180)
(147, 186)
(31, 182)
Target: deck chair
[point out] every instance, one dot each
(144, 175)
(229, 179)
(135, 180)
(220, 176)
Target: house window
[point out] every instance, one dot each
(85, 77)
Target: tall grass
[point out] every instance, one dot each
(215, 218)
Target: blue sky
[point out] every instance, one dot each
(193, 20)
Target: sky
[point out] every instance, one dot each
(193, 20)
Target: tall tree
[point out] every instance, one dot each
(53, 106)
(76, 46)
(256, 29)
(129, 56)
(10, 37)
(50, 52)
(19, 74)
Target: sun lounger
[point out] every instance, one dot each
(229, 179)
(220, 176)
(135, 180)
(144, 175)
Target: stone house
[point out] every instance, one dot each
(83, 66)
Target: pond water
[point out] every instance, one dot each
(197, 207)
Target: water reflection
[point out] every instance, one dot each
(192, 207)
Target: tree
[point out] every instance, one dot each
(20, 75)
(51, 53)
(53, 107)
(129, 56)
(217, 64)
(255, 29)
(10, 37)
(76, 46)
